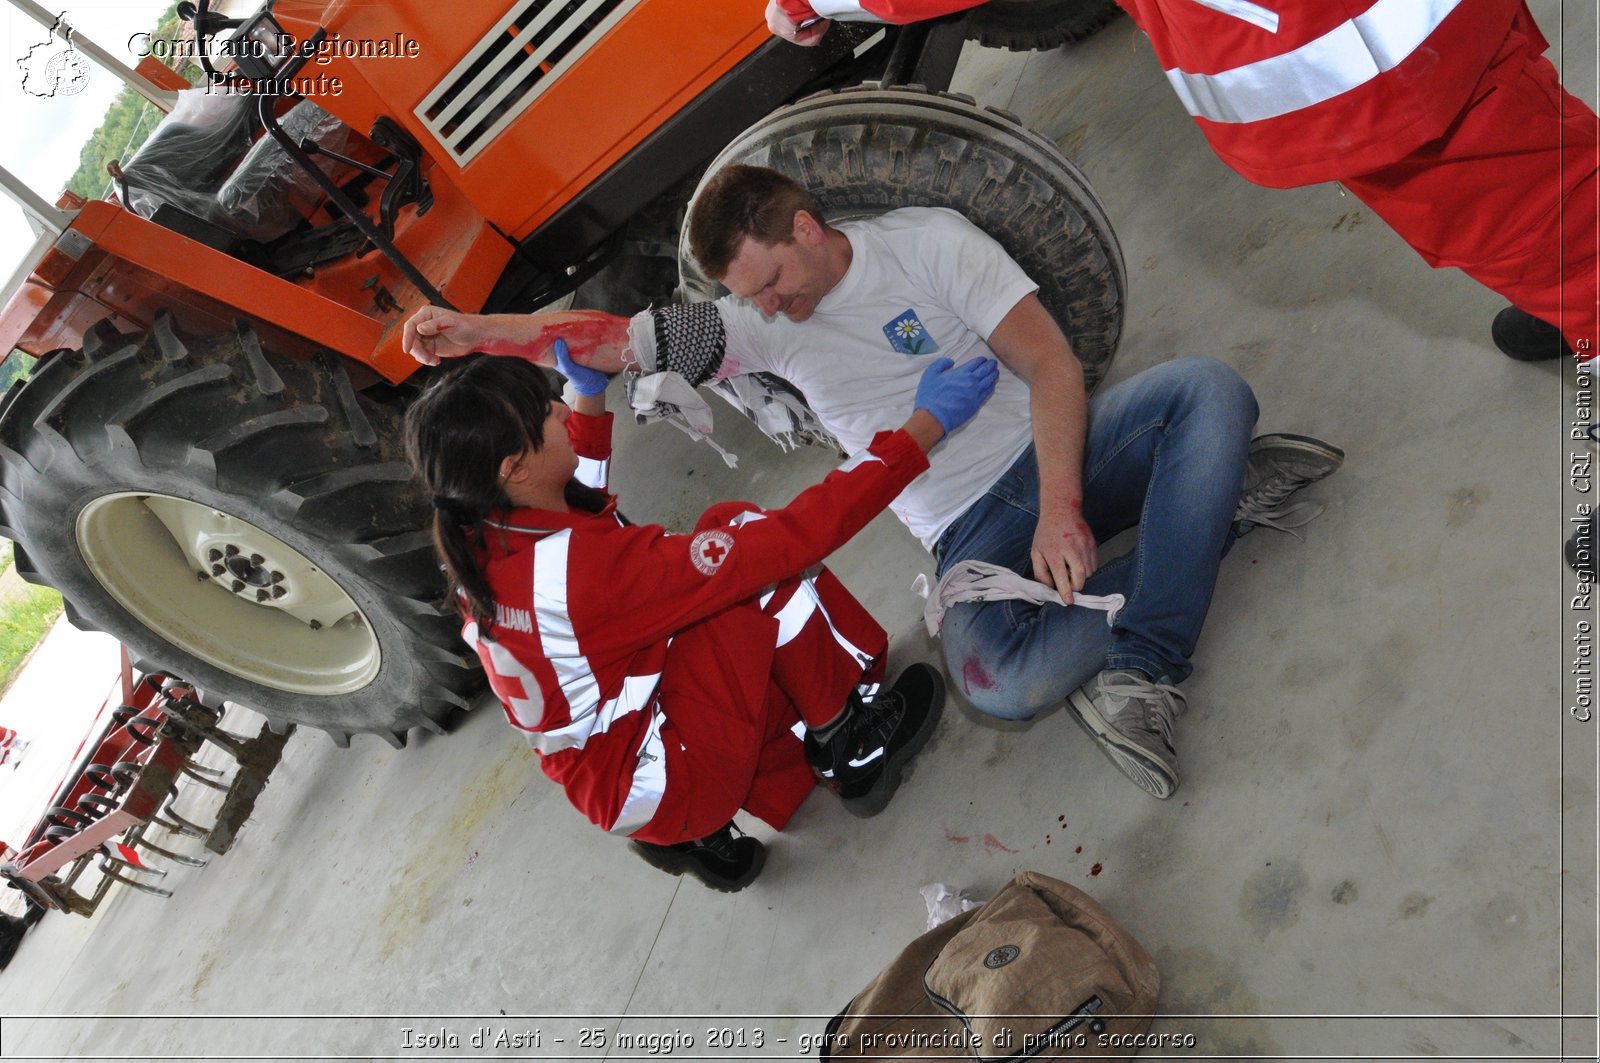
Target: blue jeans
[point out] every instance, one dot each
(1166, 452)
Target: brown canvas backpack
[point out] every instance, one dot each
(1042, 971)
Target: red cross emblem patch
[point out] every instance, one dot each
(709, 550)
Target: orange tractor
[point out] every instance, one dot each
(205, 461)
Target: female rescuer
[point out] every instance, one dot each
(660, 677)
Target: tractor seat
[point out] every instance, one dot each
(268, 194)
(190, 154)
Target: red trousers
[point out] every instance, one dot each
(1510, 193)
(724, 754)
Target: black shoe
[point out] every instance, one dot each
(721, 861)
(862, 761)
(11, 931)
(1526, 338)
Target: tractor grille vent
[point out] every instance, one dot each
(526, 51)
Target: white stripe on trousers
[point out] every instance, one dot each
(793, 616)
(649, 781)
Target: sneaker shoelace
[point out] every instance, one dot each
(881, 715)
(1264, 504)
(721, 843)
(1160, 703)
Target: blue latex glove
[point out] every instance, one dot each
(954, 395)
(585, 381)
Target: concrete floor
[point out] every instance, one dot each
(1384, 844)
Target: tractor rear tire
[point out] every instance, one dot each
(867, 150)
(242, 520)
(1037, 25)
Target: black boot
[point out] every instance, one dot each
(721, 861)
(861, 758)
(1526, 338)
(11, 931)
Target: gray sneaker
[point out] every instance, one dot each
(1131, 717)
(1279, 465)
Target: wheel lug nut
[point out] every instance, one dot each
(202, 575)
(213, 554)
(276, 577)
(256, 559)
(278, 592)
(238, 585)
(217, 570)
(261, 596)
(230, 551)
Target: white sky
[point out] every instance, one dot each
(42, 136)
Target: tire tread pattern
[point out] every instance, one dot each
(224, 423)
(1038, 25)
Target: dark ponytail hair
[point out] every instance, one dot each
(474, 414)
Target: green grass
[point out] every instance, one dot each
(22, 624)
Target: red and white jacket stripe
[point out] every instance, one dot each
(586, 608)
(1291, 92)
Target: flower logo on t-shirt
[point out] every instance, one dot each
(907, 335)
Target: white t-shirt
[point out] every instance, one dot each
(923, 283)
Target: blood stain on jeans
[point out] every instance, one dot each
(973, 674)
